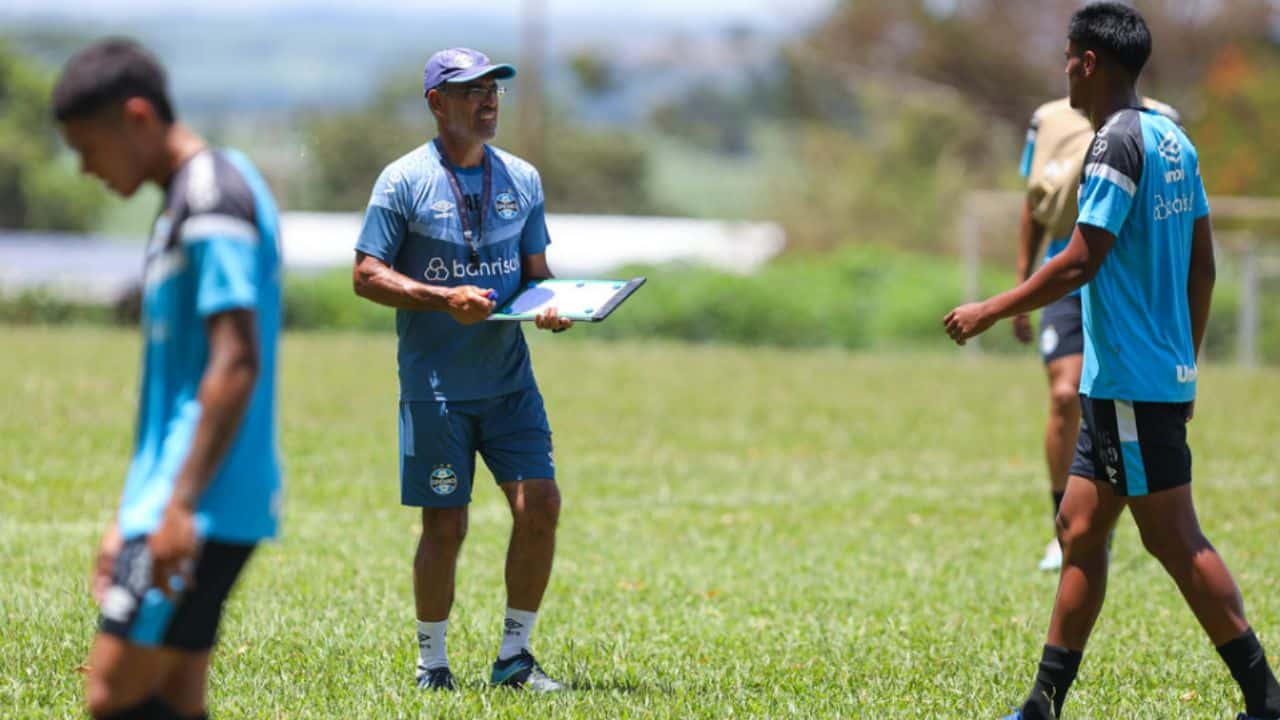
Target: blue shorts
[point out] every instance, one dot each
(439, 441)
(1061, 329)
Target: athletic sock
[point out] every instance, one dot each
(1248, 664)
(1058, 667)
(1057, 503)
(153, 708)
(431, 648)
(515, 632)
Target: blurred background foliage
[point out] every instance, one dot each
(860, 133)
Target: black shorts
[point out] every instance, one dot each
(1138, 448)
(1061, 329)
(137, 612)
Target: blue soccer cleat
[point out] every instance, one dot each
(522, 672)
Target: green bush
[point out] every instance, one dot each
(859, 298)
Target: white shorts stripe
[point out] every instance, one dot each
(230, 227)
(1126, 421)
(1107, 172)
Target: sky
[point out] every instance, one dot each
(756, 11)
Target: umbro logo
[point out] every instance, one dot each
(1171, 147)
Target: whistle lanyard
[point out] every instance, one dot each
(472, 236)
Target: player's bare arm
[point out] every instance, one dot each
(1067, 271)
(224, 394)
(534, 267)
(1200, 278)
(1030, 238)
(377, 281)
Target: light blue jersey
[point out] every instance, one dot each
(213, 249)
(413, 224)
(1142, 184)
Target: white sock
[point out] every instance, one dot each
(515, 632)
(431, 652)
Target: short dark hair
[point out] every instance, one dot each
(1115, 30)
(108, 73)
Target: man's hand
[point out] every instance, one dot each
(551, 320)
(104, 565)
(469, 304)
(1022, 327)
(173, 548)
(967, 321)
(1191, 410)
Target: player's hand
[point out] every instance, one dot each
(104, 564)
(1191, 410)
(967, 321)
(1022, 327)
(173, 548)
(550, 320)
(469, 304)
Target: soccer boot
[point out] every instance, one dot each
(523, 672)
(436, 679)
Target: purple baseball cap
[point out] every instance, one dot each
(460, 65)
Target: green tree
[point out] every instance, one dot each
(37, 189)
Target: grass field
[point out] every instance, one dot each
(746, 533)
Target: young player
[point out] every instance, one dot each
(202, 488)
(452, 228)
(1144, 244)
(1052, 162)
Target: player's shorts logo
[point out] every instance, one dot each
(436, 270)
(1048, 340)
(506, 206)
(444, 480)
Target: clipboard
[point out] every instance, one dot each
(578, 300)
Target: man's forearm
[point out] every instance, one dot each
(385, 286)
(1056, 278)
(225, 391)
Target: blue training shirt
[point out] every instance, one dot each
(412, 224)
(213, 249)
(1141, 183)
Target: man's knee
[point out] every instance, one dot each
(538, 508)
(444, 527)
(1064, 399)
(1081, 532)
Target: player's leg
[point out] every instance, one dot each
(1166, 518)
(436, 468)
(124, 678)
(517, 448)
(1061, 348)
(186, 686)
(150, 657)
(1088, 514)
(194, 631)
(535, 511)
